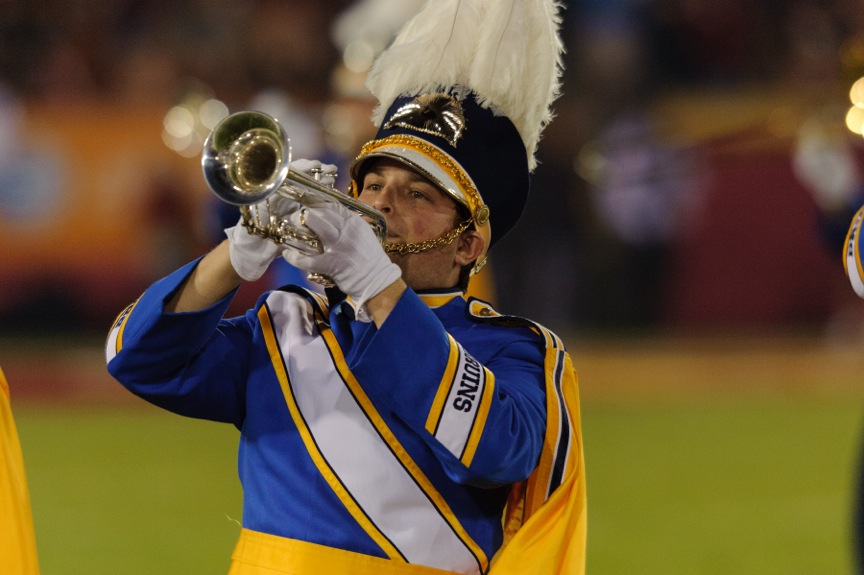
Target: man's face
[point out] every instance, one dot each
(415, 210)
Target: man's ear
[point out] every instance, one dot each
(469, 246)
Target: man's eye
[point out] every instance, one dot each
(417, 194)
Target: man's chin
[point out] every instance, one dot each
(398, 259)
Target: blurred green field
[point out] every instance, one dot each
(130, 491)
(702, 479)
(745, 487)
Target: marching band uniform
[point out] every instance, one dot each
(445, 439)
(432, 417)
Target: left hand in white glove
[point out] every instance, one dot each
(353, 256)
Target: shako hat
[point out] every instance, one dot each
(465, 91)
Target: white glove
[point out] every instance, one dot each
(353, 257)
(252, 254)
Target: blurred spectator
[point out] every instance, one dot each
(284, 47)
(624, 58)
(643, 190)
(171, 225)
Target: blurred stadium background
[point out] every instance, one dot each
(679, 237)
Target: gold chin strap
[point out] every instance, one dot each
(448, 238)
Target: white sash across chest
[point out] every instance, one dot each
(368, 469)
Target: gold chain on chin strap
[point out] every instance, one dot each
(449, 237)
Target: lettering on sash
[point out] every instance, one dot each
(466, 392)
(459, 416)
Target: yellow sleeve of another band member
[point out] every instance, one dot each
(18, 540)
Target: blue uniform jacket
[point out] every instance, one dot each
(435, 409)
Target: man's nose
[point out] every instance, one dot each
(383, 201)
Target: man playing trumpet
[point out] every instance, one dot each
(391, 425)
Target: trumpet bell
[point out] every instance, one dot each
(246, 158)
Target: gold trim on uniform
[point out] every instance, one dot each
(324, 468)
(114, 341)
(434, 300)
(480, 419)
(443, 392)
(258, 553)
(396, 448)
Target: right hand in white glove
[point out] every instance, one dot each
(353, 256)
(252, 254)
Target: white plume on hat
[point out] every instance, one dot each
(507, 52)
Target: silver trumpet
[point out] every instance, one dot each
(246, 159)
